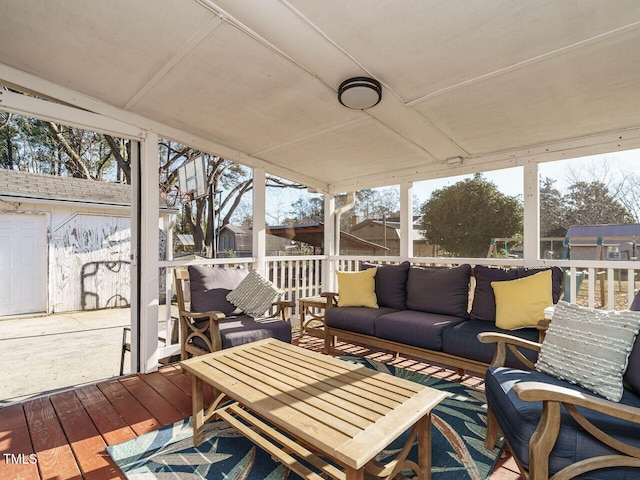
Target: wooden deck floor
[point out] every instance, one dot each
(64, 435)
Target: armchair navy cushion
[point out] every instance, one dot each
(209, 287)
(240, 329)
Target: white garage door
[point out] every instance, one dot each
(23, 264)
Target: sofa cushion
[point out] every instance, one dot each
(419, 329)
(484, 301)
(357, 289)
(241, 329)
(632, 376)
(355, 319)
(520, 303)
(255, 294)
(439, 290)
(209, 287)
(462, 340)
(589, 347)
(391, 284)
(518, 419)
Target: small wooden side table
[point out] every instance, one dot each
(312, 311)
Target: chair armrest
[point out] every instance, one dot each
(503, 341)
(542, 392)
(543, 326)
(213, 315)
(332, 298)
(283, 310)
(546, 433)
(209, 333)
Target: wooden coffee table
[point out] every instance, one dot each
(322, 409)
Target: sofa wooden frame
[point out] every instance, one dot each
(210, 333)
(545, 435)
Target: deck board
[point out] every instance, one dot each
(173, 394)
(105, 417)
(54, 454)
(86, 442)
(16, 441)
(129, 408)
(69, 431)
(160, 408)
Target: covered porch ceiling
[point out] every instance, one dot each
(499, 83)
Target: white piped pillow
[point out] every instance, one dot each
(589, 347)
(254, 295)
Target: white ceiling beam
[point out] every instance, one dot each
(592, 145)
(73, 117)
(23, 81)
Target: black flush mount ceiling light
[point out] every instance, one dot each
(360, 93)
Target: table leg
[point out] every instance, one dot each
(424, 447)
(197, 410)
(355, 474)
(302, 317)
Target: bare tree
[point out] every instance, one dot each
(620, 181)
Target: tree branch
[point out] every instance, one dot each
(125, 165)
(75, 164)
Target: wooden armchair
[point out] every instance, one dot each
(210, 331)
(560, 416)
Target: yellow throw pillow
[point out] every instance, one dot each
(520, 303)
(357, 289)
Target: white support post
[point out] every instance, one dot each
(531, 232)
(146, 205)
(406, 220)
(259, 224)
(328, 266)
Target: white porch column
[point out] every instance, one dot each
(145, 250)
(531, 214)
(259, 224)
(328, 266)
(406, 220)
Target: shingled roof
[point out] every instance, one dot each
(34, 186)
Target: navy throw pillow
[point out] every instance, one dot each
(391, 284)
(439, 290)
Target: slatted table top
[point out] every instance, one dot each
(346, 411)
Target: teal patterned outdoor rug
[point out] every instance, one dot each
(458, 452)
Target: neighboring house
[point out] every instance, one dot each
(387, 233)
(239, 240)
(312, 234)
(604, 242)
(65, 243)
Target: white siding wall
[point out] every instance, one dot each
(90, 263)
